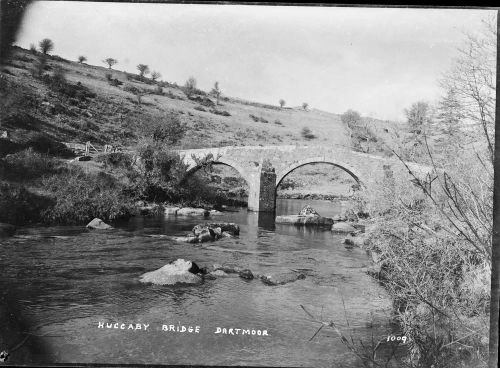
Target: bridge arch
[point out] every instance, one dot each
(319, 160)
(221, 161)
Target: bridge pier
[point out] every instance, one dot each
(262, 193)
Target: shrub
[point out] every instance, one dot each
(19, 206)
(82, 59)
(166, 129)
(116, 160)
(200, 108)
(33, 48)
(254, 118)
(42, 143)
(79, 197)
(110, 62)
(219, 112)
(28, 164)
(46, 45)
(277, 122)
(158, 90)
(190, 86)
(307, 133)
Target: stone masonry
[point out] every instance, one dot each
(264, 167)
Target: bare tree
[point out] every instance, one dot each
(305, 105)
(110, 62)
(143, 69)
(46, 45)
(190, 86)
(82, 59)
(282, 103)
(155, 75)
(472, 80)
(216, 92)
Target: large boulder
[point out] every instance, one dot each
(190, 211)
(171, 210)
(307, 210)
(228, 227)
(342, 227)
(282, 278)
(177, 272)
(98, 224)
(6, 230)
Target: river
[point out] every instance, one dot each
(68, 279)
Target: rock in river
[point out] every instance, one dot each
(179, 271)
(342, 227)
(301, 220)
(98, 224)
(282, 278)
(209, 232)
(190, 211)
(308, 211)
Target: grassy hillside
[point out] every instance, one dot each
(108, 111)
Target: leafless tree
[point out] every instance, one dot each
(216, 92)
(155, 75)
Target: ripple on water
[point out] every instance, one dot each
(74, 278)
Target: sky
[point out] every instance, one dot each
(377, 61)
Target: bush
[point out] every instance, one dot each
(307, 133)
(28, 164)
(80, 197)
(115, 160)
(200, 108)
(44, 144)
(19, 206)
(166, 129)
(219, 112)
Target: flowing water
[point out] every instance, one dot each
(67, 280)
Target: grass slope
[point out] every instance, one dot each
(115, 117)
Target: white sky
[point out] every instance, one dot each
(374, 60)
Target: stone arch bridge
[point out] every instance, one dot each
(264, 167)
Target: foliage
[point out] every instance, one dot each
(155, 75)
(143, 69)
(307, 133)
(58, 83)
(80, 197)
(361, 135)
(190, 87)
(19, 206)
(216, 92)
(434, 237)
(28, 164)
(165, 130)
(46, 45)
(220, 112)
(110, 62)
